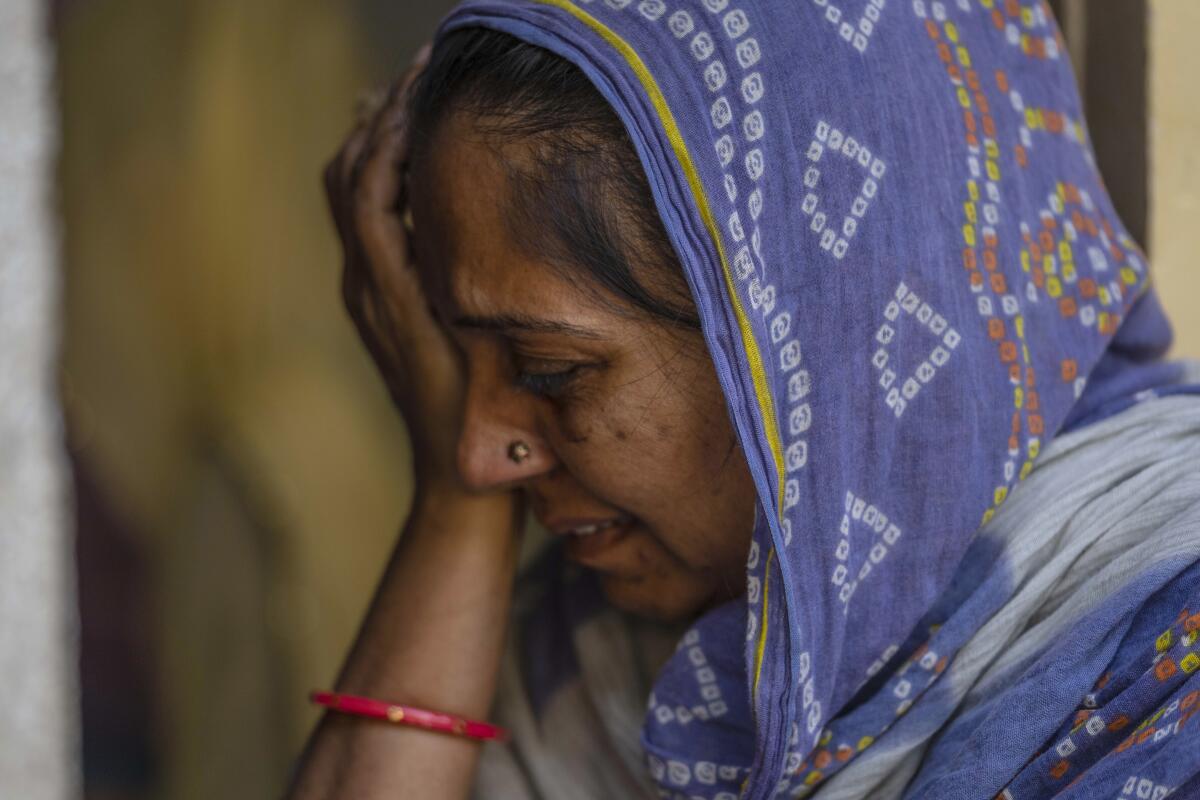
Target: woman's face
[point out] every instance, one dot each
(623, 414)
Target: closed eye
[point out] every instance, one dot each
(548, 384)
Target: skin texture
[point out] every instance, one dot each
(623, 412)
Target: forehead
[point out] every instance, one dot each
(469, 248)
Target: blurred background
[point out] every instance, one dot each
(240, 476)
(237, 472)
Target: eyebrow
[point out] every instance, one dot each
(504, 323)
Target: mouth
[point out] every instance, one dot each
(588, 541)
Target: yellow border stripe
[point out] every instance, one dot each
(766, 405)
(762, 628)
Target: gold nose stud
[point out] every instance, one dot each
(518, 451)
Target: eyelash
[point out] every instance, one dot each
(547, 384)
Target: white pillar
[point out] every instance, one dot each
(39, 716)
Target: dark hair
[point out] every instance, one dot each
(582, 202)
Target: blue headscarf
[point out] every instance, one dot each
(910, 278)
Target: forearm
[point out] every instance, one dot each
(433, 638)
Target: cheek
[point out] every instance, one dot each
(646, 436)
(598, 417)
(615, 440)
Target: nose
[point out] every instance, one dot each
(499, 445)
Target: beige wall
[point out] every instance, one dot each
(1175, 164)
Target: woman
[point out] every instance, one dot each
(809, 332)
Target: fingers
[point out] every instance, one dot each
(421, 58)
(388, 132)
(379, 115)
(379, 202)
(364, 186)
(369, 104)
(338, 177)
(379, 181)
(382, 292)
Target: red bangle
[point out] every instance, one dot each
(407, 715)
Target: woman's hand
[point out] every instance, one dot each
(434, 634)
(365, 186)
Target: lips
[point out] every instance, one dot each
(589, 540)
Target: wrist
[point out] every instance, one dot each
(449, 492)
(451, 506)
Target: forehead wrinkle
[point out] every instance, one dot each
(494, 292)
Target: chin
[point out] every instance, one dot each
(658, 599)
